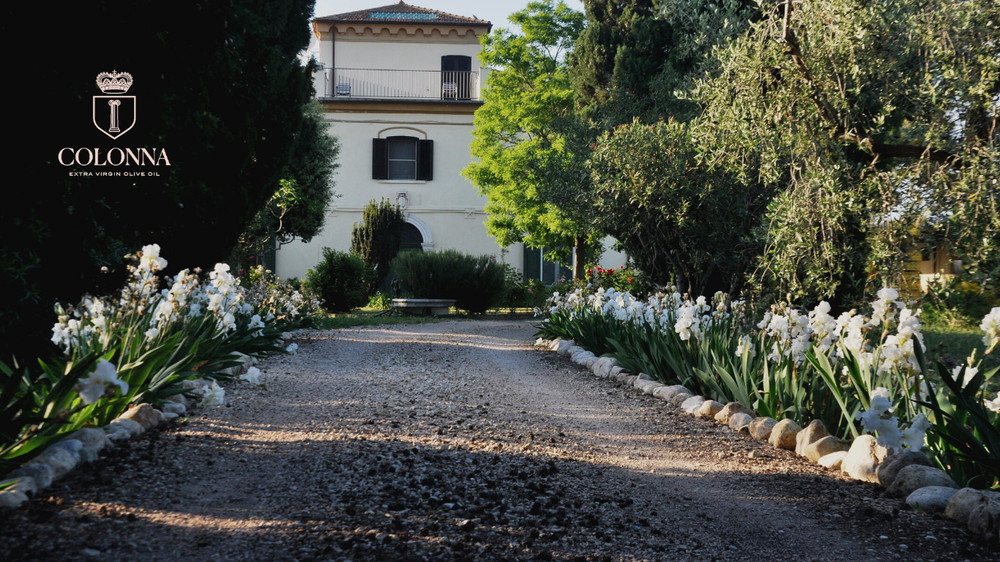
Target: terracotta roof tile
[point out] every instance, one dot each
(403, 13)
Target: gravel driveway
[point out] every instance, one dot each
(458, 441)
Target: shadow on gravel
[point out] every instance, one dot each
(393, 489)
(362, 499)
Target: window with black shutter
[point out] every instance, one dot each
(380, 159)
(402, 158)
(425, 160)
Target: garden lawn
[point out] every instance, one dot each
(952, 345)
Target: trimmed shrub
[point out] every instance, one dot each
(475, 282)
(376, 239)
(340, 279)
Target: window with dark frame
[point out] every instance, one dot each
(537, 267)
(402, 158)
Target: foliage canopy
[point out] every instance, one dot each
(298, 208)
(875, 120)
(529, 150)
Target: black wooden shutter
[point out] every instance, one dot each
(425, 160)
(380, 159)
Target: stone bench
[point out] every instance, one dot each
(432, 307)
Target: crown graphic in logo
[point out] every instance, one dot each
(114, 82)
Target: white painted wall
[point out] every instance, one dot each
(399, 55)
(448, 206)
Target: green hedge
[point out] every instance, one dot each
(475, 282)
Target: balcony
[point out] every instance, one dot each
(382, 84)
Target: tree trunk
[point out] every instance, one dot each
(579, 255)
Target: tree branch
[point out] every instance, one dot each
(855, 134)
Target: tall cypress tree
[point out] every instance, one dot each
(218, 86)
(376, 239)
(622, 48)
(634, 55)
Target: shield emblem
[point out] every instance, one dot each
(114, 115)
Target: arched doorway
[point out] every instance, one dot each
(411, 238)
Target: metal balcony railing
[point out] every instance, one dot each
(367, 83)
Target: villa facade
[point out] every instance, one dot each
(399, 86)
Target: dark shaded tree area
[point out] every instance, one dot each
(679, 216)
(695, 222)
(218, 85)
(297, 210)
(623, 46)
(635, 56)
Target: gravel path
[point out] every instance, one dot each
(458, 441)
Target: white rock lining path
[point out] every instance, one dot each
(908, 474)
(460, 441)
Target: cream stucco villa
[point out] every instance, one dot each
(399, 86)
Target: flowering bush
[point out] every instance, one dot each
(668, 336)
(621, 279)
(966, 430)
(856, 372)
(879, 420)
(280, 302)
(40, 407)
(139, 346)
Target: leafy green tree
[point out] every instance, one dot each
(376, 239)
(219, 87)
(872, 118)
(530, 150)
(678, 218)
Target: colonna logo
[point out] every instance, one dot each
(114, 114)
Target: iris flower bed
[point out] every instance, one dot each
(139, 347)
(857, 372)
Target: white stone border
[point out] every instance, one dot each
(84, 445)
(909, 474)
